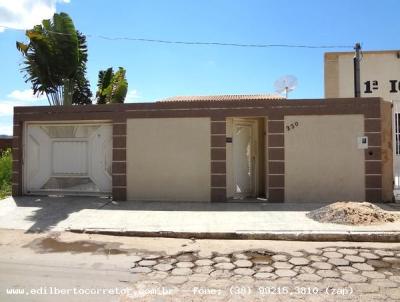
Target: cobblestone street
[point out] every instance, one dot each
(171, 269)
(325, 274)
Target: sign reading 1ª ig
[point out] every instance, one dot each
(374, 85)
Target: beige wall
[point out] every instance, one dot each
(380, 66)
(322, 160)
(168, 159)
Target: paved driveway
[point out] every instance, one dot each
(96, 213)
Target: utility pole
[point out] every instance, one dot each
(356, 63)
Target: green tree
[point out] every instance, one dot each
(82, 93)
(55, 61)
(111, 87)
(5, 173)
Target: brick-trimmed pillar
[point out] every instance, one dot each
(276, 159)
(218, 159)
(17, 159)
(373, 158)
(119, 160)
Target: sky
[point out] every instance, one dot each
(156, 71)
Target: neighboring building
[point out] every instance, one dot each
(5, 143)
(380, 77)
(379, 72)
(208, 148)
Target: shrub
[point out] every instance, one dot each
(5, 173)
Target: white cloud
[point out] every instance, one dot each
(6, 108)
(132, 96)
(19, 98)
(24, 95)
(24, 14)
(6, 129)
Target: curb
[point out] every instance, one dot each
(366, 236)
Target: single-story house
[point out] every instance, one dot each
(208, 148)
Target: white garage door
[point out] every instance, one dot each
(68, 158)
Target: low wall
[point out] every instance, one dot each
(322, 160)
(168, 159)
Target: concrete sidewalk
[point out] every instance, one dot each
(247, 220)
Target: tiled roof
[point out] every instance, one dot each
(228, 97)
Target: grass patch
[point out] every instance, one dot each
(5, 173)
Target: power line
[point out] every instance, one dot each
(198, 42)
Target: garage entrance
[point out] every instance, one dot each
(68, 158)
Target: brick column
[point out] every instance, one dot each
(17, 159)
(119, 160)
(373, 158)
(276, 159)
(218, 159)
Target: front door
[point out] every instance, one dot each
(244, 158)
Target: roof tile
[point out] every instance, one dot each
(228, 97)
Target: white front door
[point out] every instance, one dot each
(244, 158)
(68, 158)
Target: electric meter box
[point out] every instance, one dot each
(362, 142)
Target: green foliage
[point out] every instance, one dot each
(5, 173)
(111, 87)
(82, 94)
(55, 61)
(103, 84)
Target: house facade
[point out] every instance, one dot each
(208, 149)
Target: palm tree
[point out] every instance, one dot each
(111, 87)
(82, 94)
(55, 60)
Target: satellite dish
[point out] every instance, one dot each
(285, 84)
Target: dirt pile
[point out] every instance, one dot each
(353, 213)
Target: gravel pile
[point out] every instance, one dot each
(353, 213)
